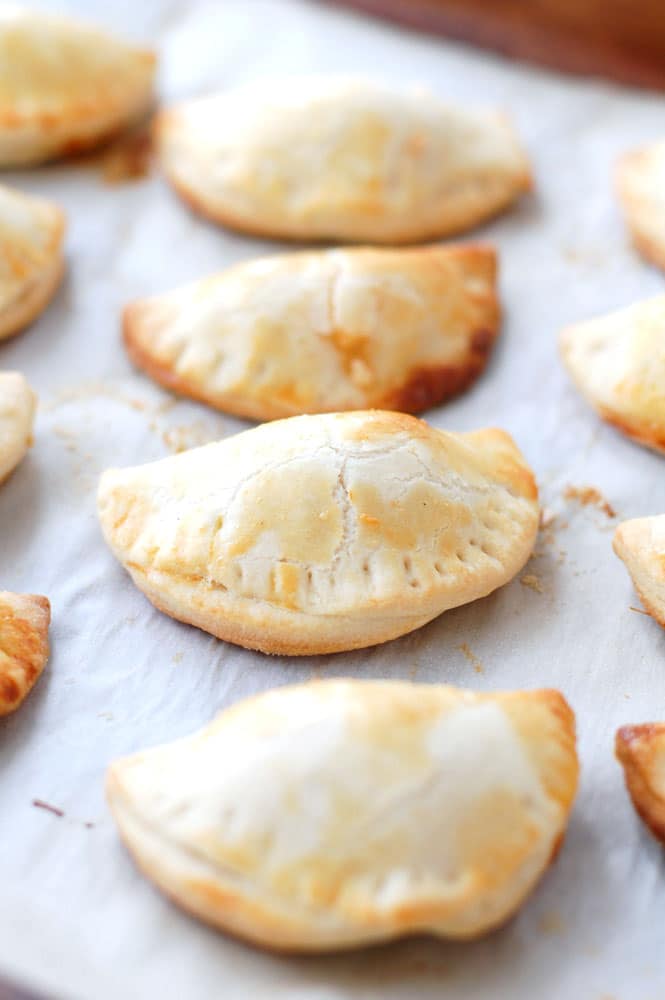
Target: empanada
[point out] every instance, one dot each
(641, 751)
(339, 813)
(641, 189)
(315, 332)
(640, 543)
(64, 85)
(17, 412)
(618, 363)
(31, 260)
(24, 650)
(339, 158)
(323, 533)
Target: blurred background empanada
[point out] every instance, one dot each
(24, 648)
(640, 544)
(618, 362)
(17, 412)
(340, 158)
(326, 331)
(31, 259)
(641, 189)
(65, 85)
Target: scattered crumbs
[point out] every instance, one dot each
(589, 495)
(105, 715)
(179, 439)
(547, 517)
(177, 657)
(471, 657)
(40, 804)
(551, 922)
(626, 695)
(533, 582)
(640, 611)
(88, 825)
(130, 619)
(130, 157)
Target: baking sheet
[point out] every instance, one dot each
(75, 917)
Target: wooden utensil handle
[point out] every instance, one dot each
(613, 38)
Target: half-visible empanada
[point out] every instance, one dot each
(641, 751)
(618, 363)
(24, 622)
(640, 543)
(339, 813)
(31, 260)
(324, 533)
(64, 85)
(315, 332)
(17, 412)
(340, 158)
(641, 188)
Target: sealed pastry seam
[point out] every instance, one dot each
(332, 855)
(327, 331)
(394, 523)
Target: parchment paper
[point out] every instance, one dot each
(75, 917)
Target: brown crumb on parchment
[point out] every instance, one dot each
(130, 157)
(471, 657)
(40, 804)
(533, 582)
(589, 496)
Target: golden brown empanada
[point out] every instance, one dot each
(339, 158)
(24, 650)
(641, 751)
(17, 412)
(641, 189)
(340, 813)
(64, 85)
(323, 533)
(618, 362)
(317, 332)
(31, 260)
(640, 543)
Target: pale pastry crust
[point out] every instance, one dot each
(31, 257)
(24, 648)
(323, 533)
(641, 752)
(340, 158)
(640, 543)
(618, 362)
(340, 813)
(640, 180)
(17, 413)
(324, 331)
(65, 85)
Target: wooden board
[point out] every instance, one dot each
(619, 39)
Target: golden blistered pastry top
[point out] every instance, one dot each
(340, 812)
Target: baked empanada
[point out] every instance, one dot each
(641, 751)
(338, 158)
(618, 363)
(31, 260)
(17, 412)
(640, 543)
(641, 189)
(24, 622)
(340, 813)
(65, 85)
(315, 332)
(323, 533)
